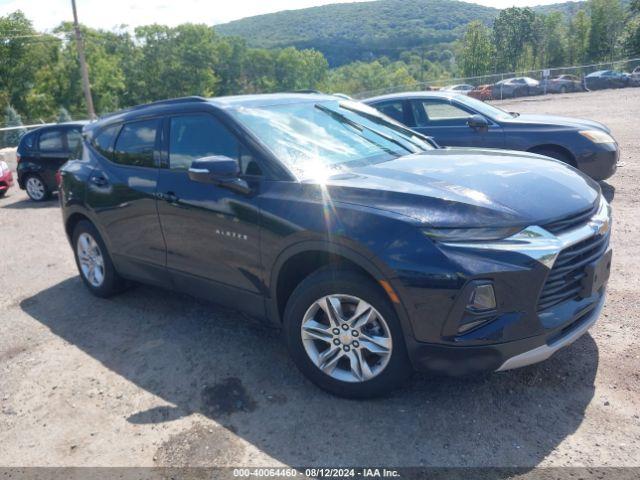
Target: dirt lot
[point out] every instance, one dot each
(155, 378)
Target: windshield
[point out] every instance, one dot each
(313, 137)
(485, 109)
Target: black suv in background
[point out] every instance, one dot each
(40, 155)
(375, 250)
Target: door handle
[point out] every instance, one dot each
(99, 180)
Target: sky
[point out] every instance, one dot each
(109, 14)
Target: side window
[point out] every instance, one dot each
(393, 109)
(51, 141)
(74, 139)
(103, 141)
(136, 143)
(28, 141)
(434, 113)
(196, 136)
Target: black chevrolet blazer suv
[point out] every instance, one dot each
(378, 252)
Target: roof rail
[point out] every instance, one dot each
(170, 101)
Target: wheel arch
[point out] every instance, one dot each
(72, 221)
(302, 259)
(553, 147)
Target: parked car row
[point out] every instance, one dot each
(527, 86)
(336, 219)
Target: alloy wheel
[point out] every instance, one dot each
(90, 259)
(346, 338)
(35, 188)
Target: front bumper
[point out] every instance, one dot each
(530, 323)
(567, 336)
(600, 162)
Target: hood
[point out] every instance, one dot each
(549, 120)
(459, 187)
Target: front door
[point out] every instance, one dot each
(212, 233)
(446, 122)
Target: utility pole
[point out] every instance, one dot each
(86, 87)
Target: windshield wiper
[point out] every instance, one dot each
(344, 119)
(398, 128)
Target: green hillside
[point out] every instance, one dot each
(348, 32)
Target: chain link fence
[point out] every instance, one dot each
(496, 89)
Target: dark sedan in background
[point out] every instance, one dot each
(461, 121)
(606, 79)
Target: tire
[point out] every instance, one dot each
(105, 282)
(3, 193)
(563, 89)
(549, 152)
(36, 188)
(385, 371)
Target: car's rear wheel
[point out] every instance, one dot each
(94, 262)
(36, 189)
(345, 336)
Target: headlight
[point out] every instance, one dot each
(469, 234)
(597, 136)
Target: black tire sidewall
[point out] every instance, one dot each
(112, 283)
(326, 282)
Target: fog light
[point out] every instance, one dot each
(482, 298)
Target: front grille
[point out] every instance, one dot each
(564, 280)
(573, 221)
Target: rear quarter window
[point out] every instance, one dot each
(103, 141)
(136, 143)
(27, 141)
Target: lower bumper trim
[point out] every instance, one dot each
(543, 352)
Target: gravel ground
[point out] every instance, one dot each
(153, 378)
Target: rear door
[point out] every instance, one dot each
(446, 122)
(122, 192)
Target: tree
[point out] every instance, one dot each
(63, 115)
(513, 28)
(12, 119)
(476, 57)
(20, 58)
(631, 36)
(578, 37)
(553, 51)
(607, 23)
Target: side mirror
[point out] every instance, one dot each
(478, 122)
(219, 170)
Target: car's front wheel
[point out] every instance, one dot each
(344, 335)
(94, 262)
